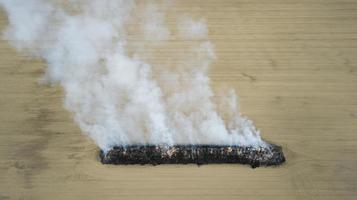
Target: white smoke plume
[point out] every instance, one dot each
(117, 92)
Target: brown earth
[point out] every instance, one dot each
(294, 66)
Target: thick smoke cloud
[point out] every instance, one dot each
(116, 92)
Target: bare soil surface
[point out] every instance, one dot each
(294, 66)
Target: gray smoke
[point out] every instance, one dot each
(119, 94)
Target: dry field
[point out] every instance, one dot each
(294, 66)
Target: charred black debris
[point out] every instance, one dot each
(267, 155)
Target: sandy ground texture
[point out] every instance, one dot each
(294, 65)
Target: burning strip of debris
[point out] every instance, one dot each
(268, 155)
(122, 99)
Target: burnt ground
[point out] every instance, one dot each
(270, 155)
